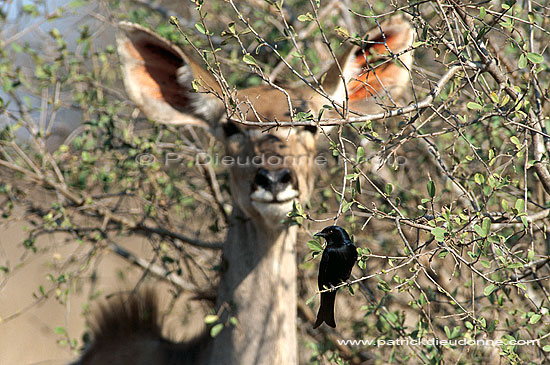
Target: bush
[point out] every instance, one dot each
(452, 225)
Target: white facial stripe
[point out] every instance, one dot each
(262, 195)
(273, 211)
(287, 194)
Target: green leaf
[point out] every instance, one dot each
(515, 141)
(535, 318)
(515, 265)
(483, 322)
(211, 318)
(474, 106)
(422, 300)
(60, 330)
(505, 100)
(249, 60)
(546, 348)
(522, 62)
(55, 33)
(30, 9)
(364, 251)
(360, 153)
(489, 289)
(231, 28)
(431, 188)
(482, 12)
(520, 205)
(392, 317)
(343, 32)
(507, 24)
(486, 225)
(174, 20)
(480, 231)
(389, 188)
(305, 17)
(200, 27)
(492, 326)
(439, 234)
(479, 178)
(314, 246)
(455, 333)
(504, 204)
(17, 47)
(382, 285)
(535, 57)
(76, 3)
(346, 206)
(303, 116)
(214, 331)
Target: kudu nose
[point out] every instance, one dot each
(274, 181)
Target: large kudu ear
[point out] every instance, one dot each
(158, 76)
(369, 70)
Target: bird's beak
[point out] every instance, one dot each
(319, 234)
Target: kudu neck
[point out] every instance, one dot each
(258, 288)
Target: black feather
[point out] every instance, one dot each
(338, 259)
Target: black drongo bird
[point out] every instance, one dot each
(337, 261)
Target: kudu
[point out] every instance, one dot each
(258, 286)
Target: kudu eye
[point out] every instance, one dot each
(230, 128)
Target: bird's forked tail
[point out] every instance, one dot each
(326, 310)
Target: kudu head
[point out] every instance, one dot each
(269, 169)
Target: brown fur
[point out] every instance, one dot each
(128, 330)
